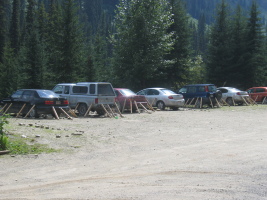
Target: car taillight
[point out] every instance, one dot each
(96, 100)
(49, 102)
(66, 102)
(170, 97)
(206, 89)
(238, 93)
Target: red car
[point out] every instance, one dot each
(258, 94)
(126, 97)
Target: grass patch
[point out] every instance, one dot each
(18, 145)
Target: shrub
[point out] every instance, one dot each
(3, 137)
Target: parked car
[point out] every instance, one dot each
(125, 96)
(84, 94)
(43, 100)
(232, 95)
(208, 93)
(258, 94)
(162, 97)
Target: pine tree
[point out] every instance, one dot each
(3, 26)
(255, 68)
(141, 42)
(15, 26)
(178, 71)
(73, 58)
(219, 51)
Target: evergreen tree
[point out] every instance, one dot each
(8, 72)
(73, 59)
(177, 73)
(15, 26)
(219, 52)
(255, 68)
(238, 30)
(3, 26)
(141, 42)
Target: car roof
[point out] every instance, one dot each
(121, 88)
(198, 84)
(157, 88)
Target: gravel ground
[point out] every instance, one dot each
(188, 154)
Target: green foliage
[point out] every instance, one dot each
(141, 41)
(19, 145)
(3, 137)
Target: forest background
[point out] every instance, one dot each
(132, 43)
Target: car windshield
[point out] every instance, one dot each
(212, 88)
(127, 92)
(234, 90)
(46, 94)
(168, 92)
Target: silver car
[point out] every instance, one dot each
(162, 97)
(233, 96)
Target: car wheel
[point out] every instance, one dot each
(229, 101)
(33, 113)
(161, 105)
(82, 109)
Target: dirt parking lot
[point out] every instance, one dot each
(199, 154)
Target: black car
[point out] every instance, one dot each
(44, 101)
(208, 93)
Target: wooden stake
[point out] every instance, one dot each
(65, 113)
(29, 111)
(7, 108)
(118, 109)
(123, 105)
(218, 102)
(3, 107)
(136, 107)
(105, 110)
(145, 108)
(211, 102)
(88, 110)
(21, 110)
(55, 112)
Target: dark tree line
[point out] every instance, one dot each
(137, 44)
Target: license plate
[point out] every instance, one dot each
(58, 102)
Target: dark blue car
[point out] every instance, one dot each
(208, 93)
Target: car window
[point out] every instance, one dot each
(92, 88)
(201, 88)
(127, 92)
(250, 91)
(223, 90)
(67, 90)
(58, 89)
(152, 92)
(105, 90)
(46, 94)
(258, 90)
(212, 88)
(183, 90)
(117, 93)
(168, 92)
(17, 94)
(142, 92)
(27, 95)
(191, 89)
(79, 89)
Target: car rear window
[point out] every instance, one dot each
(105, 90)
(168, 92)
(46, 94)
(127, 92)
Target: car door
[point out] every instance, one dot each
(260, 94)
(152, 96)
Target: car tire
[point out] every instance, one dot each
(229, 101)
(33, 113)
(161, 105)
(82, 109)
